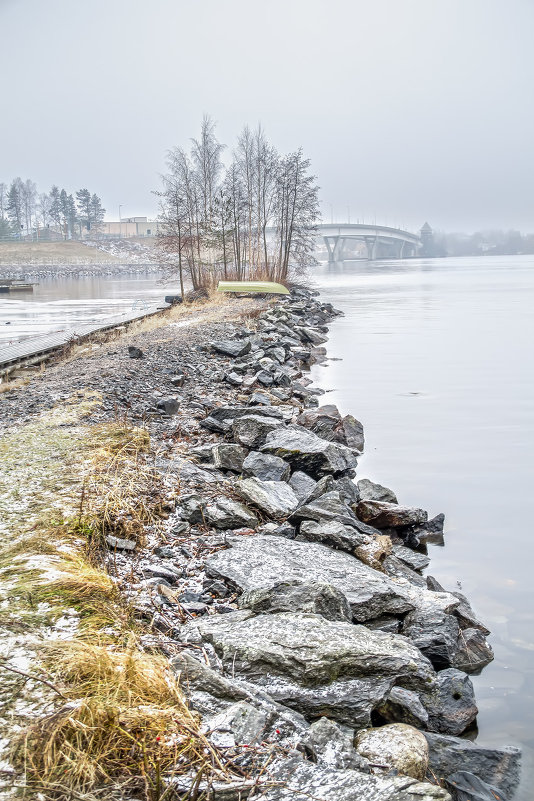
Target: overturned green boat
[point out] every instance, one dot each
(263, 287)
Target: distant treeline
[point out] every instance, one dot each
(493, 242)
(24, 211)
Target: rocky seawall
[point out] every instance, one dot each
(37, 270)
(285, 590)
(315, 650)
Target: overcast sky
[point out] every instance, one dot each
(410, 110)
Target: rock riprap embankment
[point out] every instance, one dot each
(296, 594)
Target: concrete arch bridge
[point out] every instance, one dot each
(380, 241)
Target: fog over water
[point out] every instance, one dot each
(436, 361)
(409, 111)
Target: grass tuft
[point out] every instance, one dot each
(126, 721)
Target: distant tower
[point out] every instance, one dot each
(427, 240)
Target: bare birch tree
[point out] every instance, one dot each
(256, 220)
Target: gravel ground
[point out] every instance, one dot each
(132, 387)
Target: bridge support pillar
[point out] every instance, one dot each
(330, 248)
(335, 246)
(338, 249)
(371, 245)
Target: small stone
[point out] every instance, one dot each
(234, 379)
(165, 552)
(135, 353)
(465, 786)
(179, 528)
(403, 706)
(159, 571)
(265, 378)
(414, 559)
(169, 405)
(331, 745)
(178, 380)
(120, 544)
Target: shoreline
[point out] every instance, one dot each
(310, 551)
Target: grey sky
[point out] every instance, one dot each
(410, 110)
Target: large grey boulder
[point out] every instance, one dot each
(308, 334)
(411, 558)
(396, 568)
(211, 694)
(254, 562)
(302, 485)
(295, 779)
(220, 418)
(465, 786)
(294, 596)
(397, 745)
(473, 652)
(404, 706)
(313, 665)
(435, 633)
(251, 430)
(228, 456)
(232, 347)
(275, 498)
(466, 616)
(266, 467)
(498, 766)
(450, 703)
(323, 421)
(305, 451)
(389, 515)
(371, 491)
(352, 433)
(333, 534)
(329, 506)
(240, 723)
(227, 513)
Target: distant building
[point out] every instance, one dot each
(129, 226)
(427, 241)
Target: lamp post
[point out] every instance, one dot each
(120, 220)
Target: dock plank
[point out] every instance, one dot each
(35, 346)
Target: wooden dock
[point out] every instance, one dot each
(35, 350)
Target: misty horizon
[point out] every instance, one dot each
(409, 112)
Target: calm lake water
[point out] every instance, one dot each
(437, 364)
(60, 303)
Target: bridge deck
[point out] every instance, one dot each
(37, 349)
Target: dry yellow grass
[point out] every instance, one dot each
(119, 718)
(8, 386)
(125, 721)
(52, 253)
